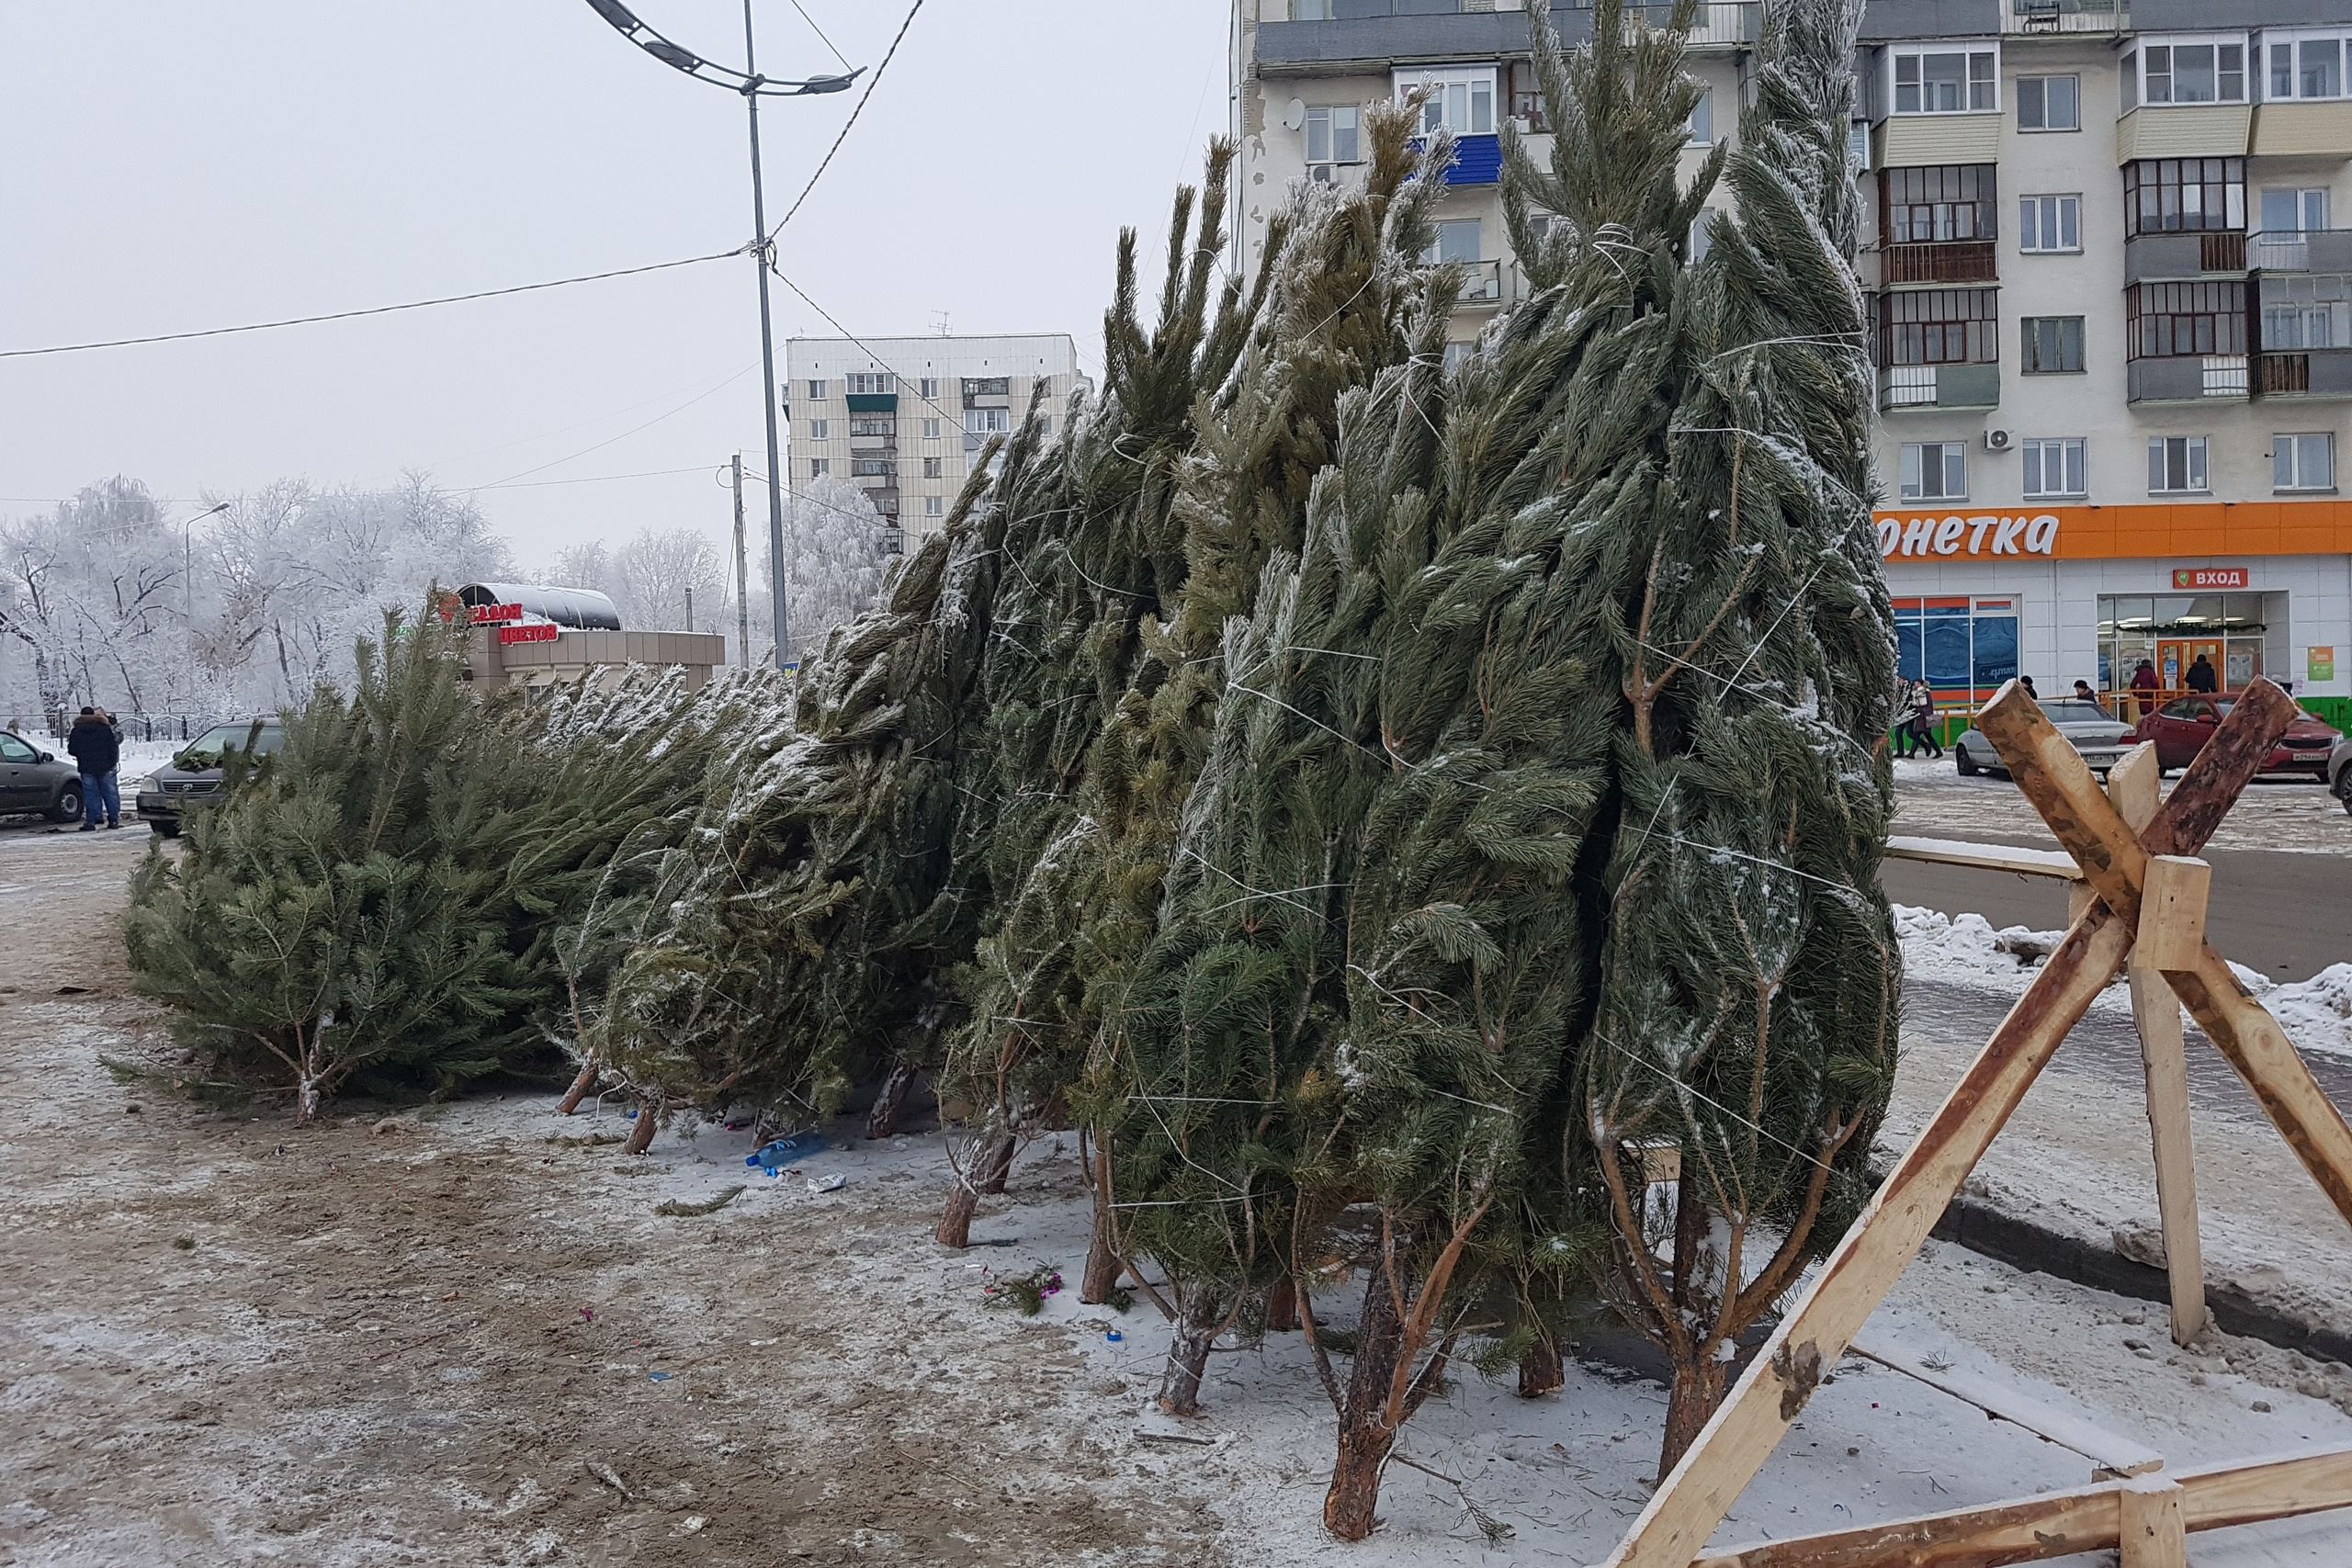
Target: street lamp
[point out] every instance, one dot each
(187, 563)
(754, 86)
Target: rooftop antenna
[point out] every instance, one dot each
(940, 317)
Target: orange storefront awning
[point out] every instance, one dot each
(2155, 531)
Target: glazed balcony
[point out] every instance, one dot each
(2193, 253)
(1919, 388)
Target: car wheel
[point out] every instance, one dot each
(1963, 762)
(69, 804)
(2344, 790)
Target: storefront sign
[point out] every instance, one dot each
(2209, 577)
(2319, 663)
(490, 614)
(1921, 538)
(547, 631)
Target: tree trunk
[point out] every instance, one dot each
(641, 1135)
(1691, 1401)
(1281, 1307)
(955, 1221)
(1187, 1354)
(1365, 1437)
(1541, 1370)
(883, 1120)
(1103, 1268)
(307, 1098)
(580, 1086)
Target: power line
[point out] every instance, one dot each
(871, 82)
(371, 310)
(557, 462)
(596, 479)
(820, 33)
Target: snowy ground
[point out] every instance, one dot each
(1932, 799)
(468, 1337)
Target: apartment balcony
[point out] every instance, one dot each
(1923, 388)
(1367, 36)
(2195, 254)
(2043, 17)
(2301, 250)
(2187, 379)
(1486, 285)
(2315, 373)
(1958, 260)
(873, 446)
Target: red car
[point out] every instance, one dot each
(2181, 728)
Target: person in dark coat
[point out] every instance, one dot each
(97, 750)
(2200, 676)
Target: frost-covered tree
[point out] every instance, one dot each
(92, 598)
(837, 547)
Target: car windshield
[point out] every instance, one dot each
(206, 750)
(2077, 713)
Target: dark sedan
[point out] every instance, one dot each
(191, 780)
(2181, 728)
(35, 780)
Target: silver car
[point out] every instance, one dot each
(2098, 735)
(2339, 770)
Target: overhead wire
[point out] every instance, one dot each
(820, 34)
(863, 99)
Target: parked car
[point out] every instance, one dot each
(35, 780)
(191, 780)
(2181, 728)
(2098, 735)
(2339, 771)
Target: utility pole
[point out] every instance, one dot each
(751, 84)
(742, 576)
(690, 607)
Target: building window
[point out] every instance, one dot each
(2185, 71)
(2050, 223)
(1457, 241)
(871, 384)
(1934, 470)
(873, 468)
(1456, 354)
(1703, 117)
(1333, 134)
(1939, 326)
(819, 467)
(2050, 103)
(2164, 195)
(873, 424)
(2053, 344)
(2169, 321)
(1310, 10)
(2305, 311)
(987, 387)
(1947, 81)
(817, 428)
(987, 421)
(1939, 204)
(2292, 212)
(931, 429)
(2056, 467)
(2168, 631)
(2306, 67)
(934, 468)
(816, 392)
(930, 385)
(888, 505)
(934, 506)
(1462, 101)
(2303, 462)
(2176, 463)
(1957, 644)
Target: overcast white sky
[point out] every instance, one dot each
(173, 164)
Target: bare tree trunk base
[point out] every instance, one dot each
(640, 1137)
(1351, 1507)
(1281, 1308)
(883, 1120)
(987, 1176)
(1691, 1401)
(1102, 1276)
(995, 1169)
(1188, 1360)
(1541, 1370)
(580, 1087)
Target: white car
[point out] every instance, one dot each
(2098, 735)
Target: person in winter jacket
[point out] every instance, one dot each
(98, 750)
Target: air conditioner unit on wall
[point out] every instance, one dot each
(1997, 440)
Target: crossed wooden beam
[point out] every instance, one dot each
(2143, 908)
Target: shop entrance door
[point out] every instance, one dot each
(2175, 654)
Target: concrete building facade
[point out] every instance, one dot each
(904, 418)
(2111, 300)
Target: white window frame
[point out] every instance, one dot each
(816, 392)
(1323, 121)
(1702, 123)
(817, 428)
(2041, 218)
(1911, 480)
(934, 506)
(2292, 464)
(2272, 39)
(872, 384)
(1452, 228)
(2135, 69)
(934, 468)
(2046, 77)
(1970, 51)
(2072, 455)
(819, 467)
(1440, 109)
(931, 429)
(2196, 469)
(987, 421)
(2303, 205)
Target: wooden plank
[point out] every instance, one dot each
(2152, 1529)
(1986, 857)
(2054, 1524)
(2110, 1454)
(2133, 784)
(2050, 773)
(2172, 912)
(1692, 1498)
(2171, 909)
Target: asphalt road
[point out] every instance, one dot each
(2287, 914)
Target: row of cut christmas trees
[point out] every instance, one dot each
(1418, 824)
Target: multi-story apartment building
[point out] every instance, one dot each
(903, 418)
(2111, 309)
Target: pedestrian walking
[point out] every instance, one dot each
(2026, 681)
(1904, 745)
(2200, 676)
(97, 750)
(1923, 720)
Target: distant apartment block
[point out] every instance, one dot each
(904, 418)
